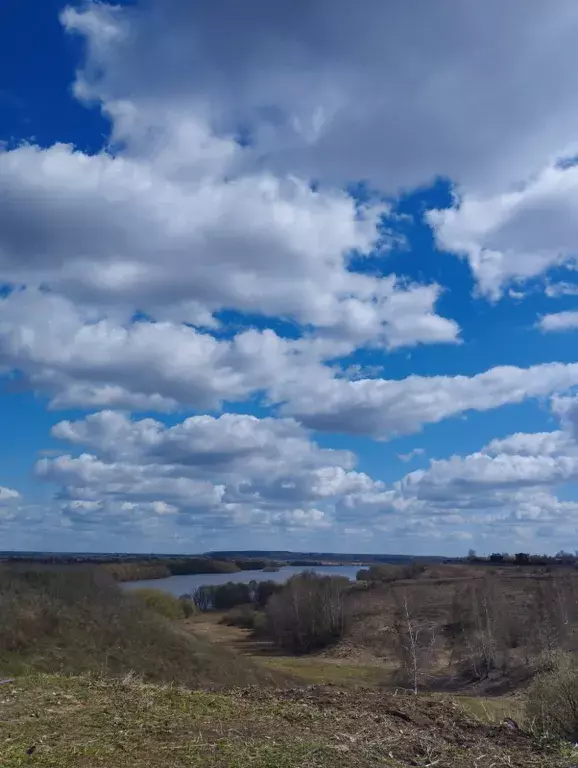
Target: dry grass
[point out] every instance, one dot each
(77, 620)
(552, 701)
(89, 723)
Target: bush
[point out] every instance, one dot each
(242, 616)
(231, 594)
(261, 591)
(188, 606)
(160, 602)
(260, 625)
(308, 613)
(388, 573)
(203, 597)
(74, 620)
(552, 701)
(223, 597)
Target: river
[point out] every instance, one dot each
(181, 585)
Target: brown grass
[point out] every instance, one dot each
(90, 723)
(77, 620)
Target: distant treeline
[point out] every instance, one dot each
(318, 558)
(129, 568)
(389, 573)
(520, 558)
(160, 569)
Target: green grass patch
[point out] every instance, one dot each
(323, 671)
(493, 709)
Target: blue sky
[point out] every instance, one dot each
(352, 330)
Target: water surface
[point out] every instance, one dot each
(181, 585)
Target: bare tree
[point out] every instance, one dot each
(548, 611)
(482, 628)
(415, 639)
(308, 613)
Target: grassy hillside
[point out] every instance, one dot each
(476, 625)
(71, 722)
(76, 620)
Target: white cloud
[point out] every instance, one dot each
(85, 360)
(8, 494)
(513, 236)
(511, 480)
(555, 290)
(405, 457)
(235, 469)
(230, 443)
(239, 471)
(566, 409)
(532, 444)
(10, 507)
(123, 234)
(559, 321)
(385, 407)
(340, 93)
(450, 478)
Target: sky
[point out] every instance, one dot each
(294, 275)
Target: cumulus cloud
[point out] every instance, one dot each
(8, 494)
(555, 290)
(341, 93)
(125, 234)
(559, 321)
(234, 469)
(385, 407)
(230, 443)
(94, 228)
(84, 359)
(10, 506)
(511, 480)
(449, 478)
(505, 491)
(512, 236)
(566, 409)
(532, 444)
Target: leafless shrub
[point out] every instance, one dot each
(308, 614)
(415, 639)
(552, 701)
(482, 629)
